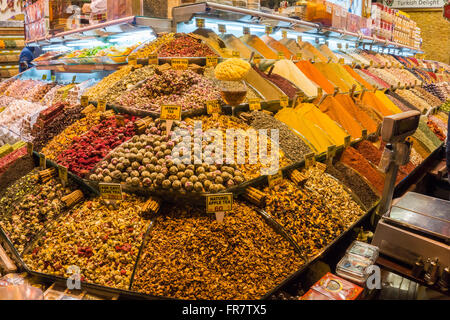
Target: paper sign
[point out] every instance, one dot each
(310, 160)
(284, 101)
(222, 28)
(275, 179)
(170, 112)
(42, 161)
(180, 64)
(347, 141)
(84, 101)
(213, 106)
(236, 54)
(110, 191)
(153, 59)
(101, 105)
(221, 202)
(212, 61)
(254, 104)
(257, 58)
(63, 174)
(120, 121)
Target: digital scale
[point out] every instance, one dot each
(416, 229)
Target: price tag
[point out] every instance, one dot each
(63, 174)
(280, 55)
(275, 179)
(310, 160)
(219, 204)
(44, 77)
(254, 104)
(101, 105)
(284, 101)
(299, 39)
(200, 23)
(212, 61)
(132, 60)
(371, 63)
(347, 141)
(120, 121)
(29, 148)
(364, 134)
(341, 61)
(170, 112)
(299, 56)
(84, 101)
(236, 54)
(331, 153)
(269, 30)
(42, 161)
(110, 191)
(74, 78)
(180, 64)
(222, 28)
(53, 78)
(246, 30)
(346, 46)
(284, 34)
(257, 58)
(153, 59)
(213, 106)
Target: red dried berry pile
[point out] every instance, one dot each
(185, 46)
(86, 151)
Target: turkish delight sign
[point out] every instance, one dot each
(426, 4)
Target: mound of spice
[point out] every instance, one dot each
(352, 180)
(285, 85)
(89, 149)
(101, 240)
(30, 215)
(172, 87)
(370, 152)
(292, 145)
(241, 258)
(306, 216)
(185, 46)
(355, 160)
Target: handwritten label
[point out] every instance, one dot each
(212, 61)
(222, 28)
(213, 106)
(101, 105)
(170, 112)
(200, 23)
(254, 104)
(222, 202)
(310, 160)
(236, 54)
(42, 161)
(347, 141)
(84, 101)
(275, 179)
(63, 174)
(284, 101)
(180, 64)
(153, 59)
(111, 191)
(246, 30)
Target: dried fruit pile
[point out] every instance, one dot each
(89, 149)
(190, 256)
(98, 91)
(185, 46)
(151, 47)
(101, 240)
(27, 215)
(172, 87)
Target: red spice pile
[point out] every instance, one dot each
(89, 149)
(185, 46)
(355, 160)
(370, 152)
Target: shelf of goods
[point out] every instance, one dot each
(11, 43)
(327, 104)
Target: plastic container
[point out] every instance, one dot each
(337, 288)
(353, 268)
